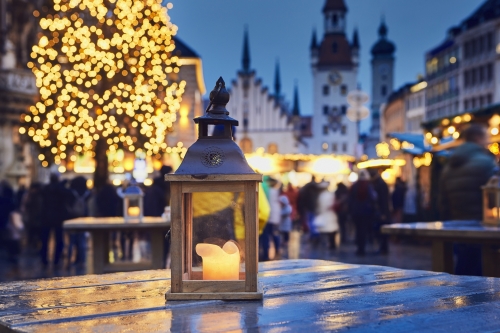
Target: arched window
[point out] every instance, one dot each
(272, 148)
(335, 20)
(335, 47)
(246, 145)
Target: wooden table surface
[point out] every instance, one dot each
(299, 296)
(445, 234)
(465, 230)
(115, 223)
(100, 229)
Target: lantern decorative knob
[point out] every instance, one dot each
(219, 97)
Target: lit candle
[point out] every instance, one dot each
(219, 263)
(133, 211)
(494, 212)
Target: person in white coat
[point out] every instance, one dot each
(325, 220)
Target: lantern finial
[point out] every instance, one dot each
(219, 97)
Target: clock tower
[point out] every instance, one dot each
(334, 64)
(382, 85)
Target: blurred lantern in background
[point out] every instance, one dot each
(133, 203)
(491, 201)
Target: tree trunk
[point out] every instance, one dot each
(101, 173)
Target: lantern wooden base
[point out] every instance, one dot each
(225, 296)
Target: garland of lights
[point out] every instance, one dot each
(105, 71)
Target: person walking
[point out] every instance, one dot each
(398, 200)
(285, 226)
(382, 215)
(341, 209)
(79, 208)
(362, 206)
(306, 205)
(271, 230)
(325, 220)
(470, 166)
(56, 202)
(32, 210)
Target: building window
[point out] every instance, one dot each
(481, 74)
(481, 101)
(326, 90)
(335, 20)
(246, 145)
(272, 148)
(489, 99)
(344, 147)
(473, 77)
(466, 105)
(343, 130)
(489, 72)
(383, 90)
(334, 147)
(489, 41)
(466, 79)
(335, 47)
(480, 45)
(325, 129)
(472, 103)
(343, 109)
(325, 110)
(245, 122)
(343, 90)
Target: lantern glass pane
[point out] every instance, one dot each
(133, 209)
(216, 251)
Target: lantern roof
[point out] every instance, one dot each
(493, 183)
(133, 190)
(217, 154)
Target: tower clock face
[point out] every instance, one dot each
(383, 69)
(335, 78)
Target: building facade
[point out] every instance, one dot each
(382, 65)
(334, 63)
(462, 71)
(17, 90)
(191, 71)
(266, 119)
(415, 107)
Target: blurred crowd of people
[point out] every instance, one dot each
(330, 218)
(28, 217)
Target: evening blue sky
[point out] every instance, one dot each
(282, 29)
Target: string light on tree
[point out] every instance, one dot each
(106, 73)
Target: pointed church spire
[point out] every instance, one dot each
(246, 52)
(314, 40)
(277, 80)
(296, 109)
(355, 39)
(382, 30)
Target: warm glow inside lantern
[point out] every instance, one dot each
(214, 202)
(491, 201)
(133, 203)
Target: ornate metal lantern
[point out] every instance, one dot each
(491, 201)
(214, 224)
(133, 203)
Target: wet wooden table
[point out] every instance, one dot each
(100, 229)
(444, 234)
(299, 296)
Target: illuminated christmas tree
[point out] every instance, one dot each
(107, 80)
